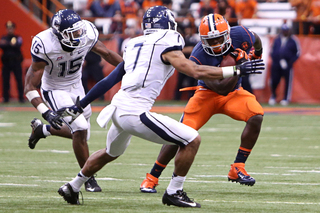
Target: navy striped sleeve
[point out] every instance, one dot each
(37, 59)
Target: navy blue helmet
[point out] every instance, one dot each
(69, 28)
(158, 17)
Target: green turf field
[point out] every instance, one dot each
(285, 163)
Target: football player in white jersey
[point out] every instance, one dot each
(57, 57)
(149, 61)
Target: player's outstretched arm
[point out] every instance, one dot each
(178, 60)
(97, 90)
(104, 85)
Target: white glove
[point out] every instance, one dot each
(283, 64)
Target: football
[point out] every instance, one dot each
(228, 60)
(223, 86)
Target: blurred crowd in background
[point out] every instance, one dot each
(120, 20)
(128, 13)
(115, 16)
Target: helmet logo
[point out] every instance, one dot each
(156, 20)
(244, 45)
(56, 22)
(213, 33)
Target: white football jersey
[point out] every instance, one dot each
(146, 72)
(63, 68)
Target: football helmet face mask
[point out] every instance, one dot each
(158, 18)
(214, 31)
(69, 28)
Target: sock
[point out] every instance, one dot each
(46, 130)
(175, 184)
(242, 155)
(157, 169)
(78, 181)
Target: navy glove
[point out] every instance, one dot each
(53, 118)
(73, 111)
(250, 67)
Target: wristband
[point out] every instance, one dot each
(229, 71)
(32, 94)
(42, 108)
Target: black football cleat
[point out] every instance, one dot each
(179, 199)
(37, 133)
(92, 186)
(68, 194)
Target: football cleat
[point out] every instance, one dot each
(179, 199)
(68, 194)
(92, 186)
(238, 174)
(149, 184)
(37, 133)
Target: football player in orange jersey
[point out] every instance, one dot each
(224, 96)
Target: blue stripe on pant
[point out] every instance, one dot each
(160, 132)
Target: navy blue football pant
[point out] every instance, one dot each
(276, 74)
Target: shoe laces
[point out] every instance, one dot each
(92, 179)
(81, 198)
(183, 196)
(35, 123)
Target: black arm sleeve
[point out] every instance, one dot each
(104, 85)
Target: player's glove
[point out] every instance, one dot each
(73, 111)
(250, 67)
(53, 118)
(254, 54)
(239, 55)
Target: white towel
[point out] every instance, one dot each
(105, 115)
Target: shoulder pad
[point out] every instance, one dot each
(92, 31)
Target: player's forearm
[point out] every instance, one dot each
(31, 92)
(208, 72)
(34, 98)
(112, 58)
(190, 68)
(31, 81)
(203, 72)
